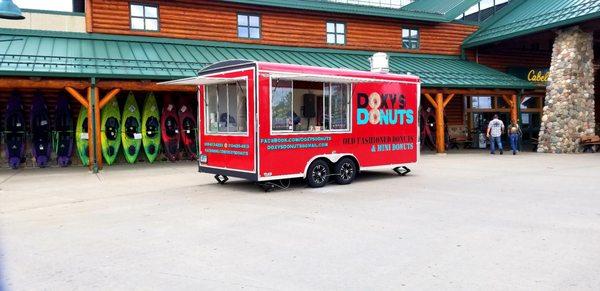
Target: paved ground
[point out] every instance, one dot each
(461, 221)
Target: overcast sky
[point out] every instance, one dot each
(57, 5)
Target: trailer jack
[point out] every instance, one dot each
(402, 171)
(221, 179)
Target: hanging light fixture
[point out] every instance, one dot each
(8, 10)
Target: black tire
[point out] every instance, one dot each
(345, 171)
(317, 174)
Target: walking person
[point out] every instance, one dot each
(494, 133)
(514, 133)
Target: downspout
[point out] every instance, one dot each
(94, 124)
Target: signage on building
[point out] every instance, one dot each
(537, 76)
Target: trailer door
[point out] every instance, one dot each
(227, 127)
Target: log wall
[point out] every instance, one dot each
(217, 21)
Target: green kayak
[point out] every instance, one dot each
(131, 133)
(82, 136)
(111, 139)
(151, 128)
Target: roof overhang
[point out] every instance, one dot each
(202, 81)
(521, 18)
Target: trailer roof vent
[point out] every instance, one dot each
(380, 63)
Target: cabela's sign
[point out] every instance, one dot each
(538, 76)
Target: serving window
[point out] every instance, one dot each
(304, 106)
(226, 108)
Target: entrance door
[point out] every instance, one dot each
(480, 111)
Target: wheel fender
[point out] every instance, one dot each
(333, 158)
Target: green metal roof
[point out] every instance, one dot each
(522, 17)
(450, 9)
(424, 10)
(60, 54)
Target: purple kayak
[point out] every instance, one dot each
(40, 131)
(14, 131)
(63, 132)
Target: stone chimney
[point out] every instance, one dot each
(569, 106)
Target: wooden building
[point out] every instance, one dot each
(130, 45)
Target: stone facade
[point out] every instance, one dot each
(569, 108)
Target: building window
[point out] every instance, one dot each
(302, 106)
(410, 38)
(144, 17)
(248, 26)
(226, 108)
(336, 33)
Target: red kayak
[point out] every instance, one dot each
(169, 122)
(188, 128)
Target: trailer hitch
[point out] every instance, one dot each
(402, 171)
(221, 179)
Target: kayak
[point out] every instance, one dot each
(151, 128)
(109, 131)
(188, 129)
(170, 129)
(63, 132)
(131, 136)
(15, 131)
(40, 131)
(82, 136)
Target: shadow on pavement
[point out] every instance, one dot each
(298, 183)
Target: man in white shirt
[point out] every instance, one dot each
(494, 133)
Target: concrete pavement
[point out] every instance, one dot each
(460, 221)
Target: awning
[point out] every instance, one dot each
(326, 78)
(201, 81)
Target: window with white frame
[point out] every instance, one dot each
(336, 33)
(248, 26)
(302, 106)
(226, 108)
(410, 38)
(144, 17)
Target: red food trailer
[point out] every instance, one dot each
(268, 121)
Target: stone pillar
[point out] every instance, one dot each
(569, 105)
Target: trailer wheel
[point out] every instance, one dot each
(318, 174)
(344, 171)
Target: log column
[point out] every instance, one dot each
(512, 102)
(94, 104)
(439, 103)
(85, 102)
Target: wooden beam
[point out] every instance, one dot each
(88, 16)
(514, 109)
(78, 97)
(430, 99)
(494, 92)
(439, 122)
(108, 97)
(448, 99)
(508, 101)
(512, 103)
(26, 83)
(129, 85)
